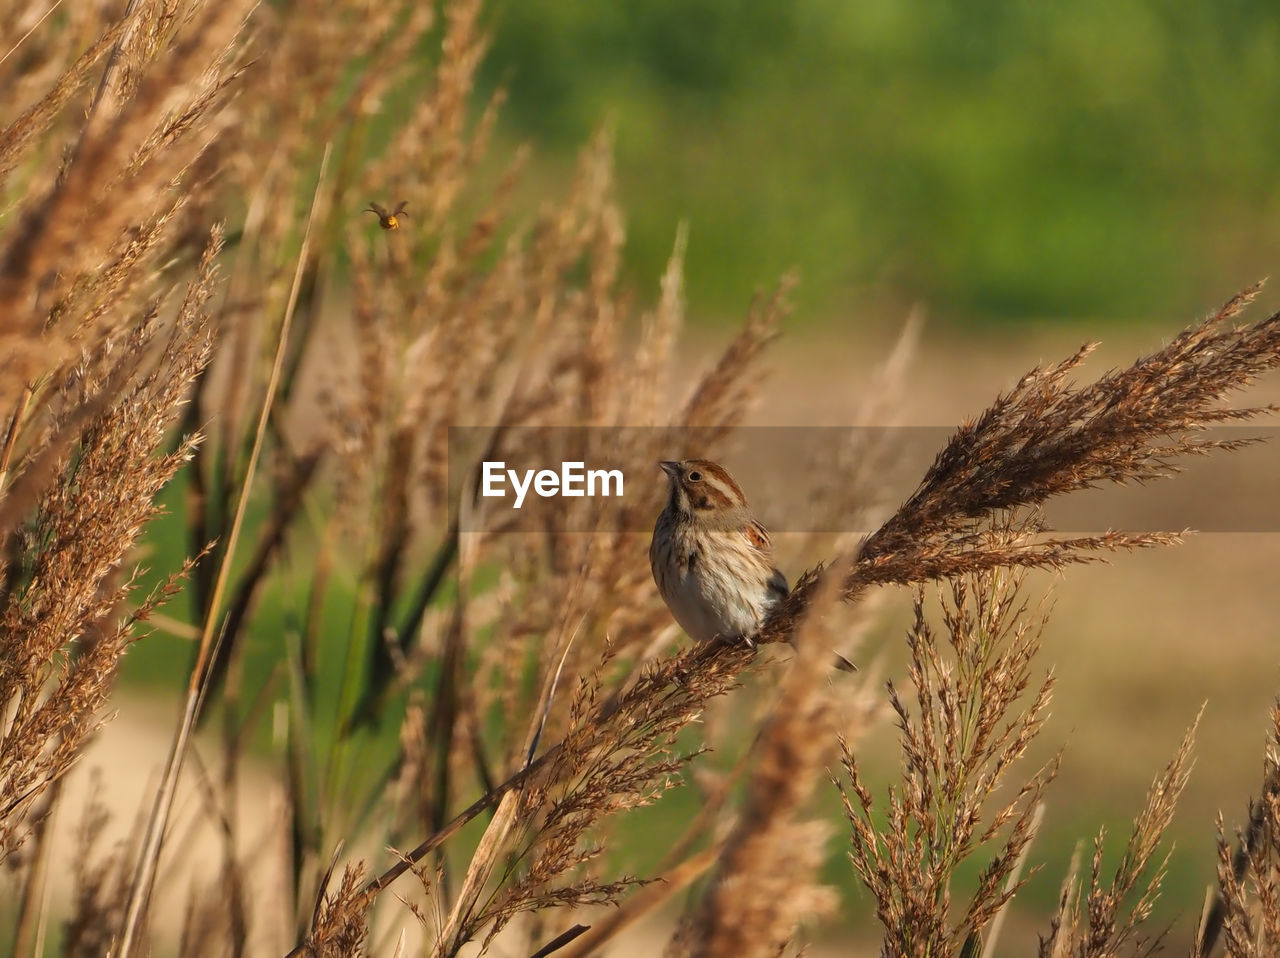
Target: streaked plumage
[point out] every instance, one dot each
(711, 558)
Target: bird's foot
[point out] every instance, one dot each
(747, 640)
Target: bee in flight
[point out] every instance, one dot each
(386, 219)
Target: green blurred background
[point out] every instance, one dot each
(993, 161)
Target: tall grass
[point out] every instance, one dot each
(192, 295)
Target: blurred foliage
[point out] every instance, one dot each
(1108, 159)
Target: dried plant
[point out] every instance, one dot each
(1245, 913)
(1049, 437)
(402, 644)
(764, 886)
(1109, 917)
(101, 887)
(61, 643)
(976, 707)
(337, 928)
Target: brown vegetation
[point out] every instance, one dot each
(312, 369)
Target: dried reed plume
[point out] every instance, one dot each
(1110, 916)
(1245, 910)
(1049, 437)
(976, 709)
(370, 628)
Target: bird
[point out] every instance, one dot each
(711, 558)
(388, 221)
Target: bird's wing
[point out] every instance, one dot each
(757, 536)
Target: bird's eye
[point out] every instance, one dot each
(695, 476)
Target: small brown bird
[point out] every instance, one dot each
(388, 221)
(711, 558)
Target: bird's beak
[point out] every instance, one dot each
(671, 468)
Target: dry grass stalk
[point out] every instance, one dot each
(197, 685)
(1110, 916)
(101, 888)
(1245, 913)
(1011, 885)
(24, 130)
(1050, 437)
(198, 682)
(339, 929)
(64, 595)
(764, 886)
(675, 879)
(974, 711)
